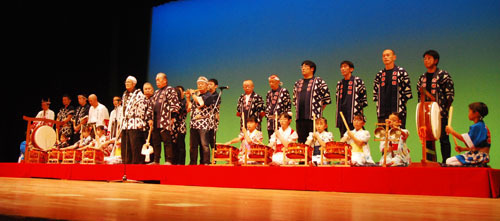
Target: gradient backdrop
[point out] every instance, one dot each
(237, 40)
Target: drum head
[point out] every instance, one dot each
(436, 120)
(44, 137)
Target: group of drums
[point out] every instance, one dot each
(43, 141)
(294, 154)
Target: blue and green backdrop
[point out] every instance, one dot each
(242, 39)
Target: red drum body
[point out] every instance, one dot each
(43, 137)
(337, 150)
(37, 156)
(225, 153)
(55, 156)
(430, 120)
(260, 153)
(93, 156)
(298, 151)
(72, 156)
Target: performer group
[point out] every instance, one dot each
(143, 122)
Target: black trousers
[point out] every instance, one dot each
(212, 136)
(160, 135)
(444, 140)
(179, 150)
(132, 141)
(304, 126)
(270, 133)
(199, 140)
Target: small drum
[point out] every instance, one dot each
(337, 150)
(93, 156)
(72, 156)
(226, 153)
(43, 137)
(432, 121)
(298, 151)
(260, 152)
(55, 156)
(37, 156)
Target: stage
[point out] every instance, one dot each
(436, 181)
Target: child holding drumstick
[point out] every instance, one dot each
(398, 153)
(477, 140)
(358, 139)
(248, 136)
(320, 138)
(282, 137)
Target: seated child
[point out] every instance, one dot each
(320, 138)
(63, 141)
(102, 142)
(85, 140)
(358, 139)
(115, 157)
(248, 136)
(398, 153)
(477, 141)
(281, 138)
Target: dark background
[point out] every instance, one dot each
(70, 47)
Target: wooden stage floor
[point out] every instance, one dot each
(97, 200)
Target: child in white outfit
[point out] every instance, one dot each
(247, 137)
(281, 138)
(398, 153)
(320, 137)
(358, 139)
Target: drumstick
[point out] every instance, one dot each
(314, 128)
(450, 116)
(345, 122)
(98, 141)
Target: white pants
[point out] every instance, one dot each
(453, 161)
(278, 158)
(392, 161)
(317, 159)
(358, 158)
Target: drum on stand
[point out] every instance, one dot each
(93, 156)
(225, 153)
(259, 153)
(55, 156)
(429, 128)
(336, 152)
(297, 152)
(72, 156)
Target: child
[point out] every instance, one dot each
(477, 141)
(398, 153)
(102, 142)
(115, 157)
(358, 139)
(63, 141)
(247, 137)
(84, 141)
(320, 137)
(55, 154)
(281, 138)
